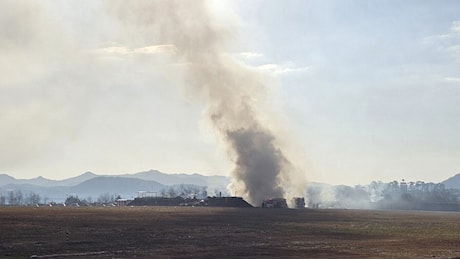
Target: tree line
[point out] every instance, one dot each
(18, 198)
(103, 199)
(184, 190)
(391, 195)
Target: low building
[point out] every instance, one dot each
(274, 203)
(122, 202)
(298, 202)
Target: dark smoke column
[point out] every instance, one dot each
(258, 164)
(231, 91)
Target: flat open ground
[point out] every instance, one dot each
(184, 232)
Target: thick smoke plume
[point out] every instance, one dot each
(231, 91)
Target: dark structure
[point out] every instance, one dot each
(274, 203)
(236, 202)
(299, 203)
(162, 201)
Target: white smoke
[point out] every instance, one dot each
(230, 90)
(63, 61)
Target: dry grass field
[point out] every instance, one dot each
(185, 232)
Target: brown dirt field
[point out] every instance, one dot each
(184, 232)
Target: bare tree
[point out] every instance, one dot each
(106, 198)
(32, 199)
(15, 198)
(89, 200)
(171, 192)
(45, 199)
(2, 199)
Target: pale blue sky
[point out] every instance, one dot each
(370, 90)
(380, 97)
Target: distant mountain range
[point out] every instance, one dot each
(453, 182)
(40, 181)
(93, 185)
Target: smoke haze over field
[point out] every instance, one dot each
(269, 92)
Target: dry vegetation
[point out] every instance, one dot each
(184, 232)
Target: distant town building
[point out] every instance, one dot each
(122, 202)
(403, 186)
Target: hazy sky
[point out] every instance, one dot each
(367, 90)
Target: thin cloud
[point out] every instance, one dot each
(155, 49)
(250, 55)
(454, 35)
(115, 50)
(452, 79)
(253, 60)
(446, 42)
(147, 50)
(455, 28)
(281, 69)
